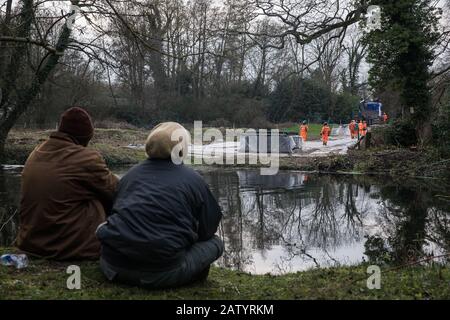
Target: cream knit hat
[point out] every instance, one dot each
(168, 140)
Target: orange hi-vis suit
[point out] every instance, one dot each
(304, 132)
(325, 133)
(352, 128)
(361, 129)
(365, 128)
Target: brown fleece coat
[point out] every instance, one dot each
(66, 189)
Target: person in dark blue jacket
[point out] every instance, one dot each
(161, 233)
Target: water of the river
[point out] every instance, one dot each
(295, 221)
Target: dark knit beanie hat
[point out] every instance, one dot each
(77, 123)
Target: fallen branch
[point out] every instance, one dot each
(29, 41)
(410, 264)
(7, 221)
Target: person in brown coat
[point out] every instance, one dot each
(67, 190)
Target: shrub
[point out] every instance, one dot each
(401, 133)
(220, 123)
(261, 122)
(113, 124)
(376, 250)
(441, 130)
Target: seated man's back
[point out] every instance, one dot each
(160, 211)
(161, 231)
(66, 188)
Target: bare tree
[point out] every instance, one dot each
(327, 51)
(309, 20)
(19, 85)
(355, 51)
(158, 49)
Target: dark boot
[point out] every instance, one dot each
(202, 276)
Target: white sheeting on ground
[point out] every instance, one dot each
(339, 143)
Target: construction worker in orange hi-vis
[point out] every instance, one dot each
(325, 133)
(352, 128)
(385, 117)
(361, 129)
(304, 131)
(365, 127)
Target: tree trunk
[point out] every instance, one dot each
(3, 137)
(5, 32)
(424, 133)
(14, 105)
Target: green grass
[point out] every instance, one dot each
(119, 156)
(314, 130)
(47, 280)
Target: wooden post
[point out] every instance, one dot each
(367, 140)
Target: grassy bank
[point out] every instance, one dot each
(112, 144)
(47, 280)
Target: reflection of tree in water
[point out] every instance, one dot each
(351, 215)
(414, 223)
(322, 214)
(322, 222)
(225, 186)
(438, 229)
(329, 220)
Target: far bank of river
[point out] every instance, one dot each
(113, 145)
